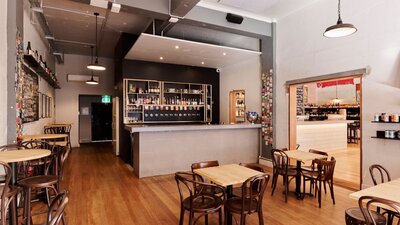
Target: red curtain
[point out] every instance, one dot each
(334, 83)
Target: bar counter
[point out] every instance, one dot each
(166, 149)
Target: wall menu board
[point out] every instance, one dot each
(300, 100)
(30, 97)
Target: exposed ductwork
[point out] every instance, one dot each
(46, 30)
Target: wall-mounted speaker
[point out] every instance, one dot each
(233, 18)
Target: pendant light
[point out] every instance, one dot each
(92, 81)
(96, 65)
(340, 29)
(336, 100)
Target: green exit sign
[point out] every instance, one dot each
(105, 99)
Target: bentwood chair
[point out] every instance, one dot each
(35, 167)
(251, 199)
(312, 168)
(56, 209)
(196, 200)
(380, 174)
(280, 162)
(364, 215)
(8, 195)
(206, 164)
(325, 170)
(237, 191)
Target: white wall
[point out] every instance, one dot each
(307, 53)
(3, 73)
(246, 76)
(67, 98)
(34, 34)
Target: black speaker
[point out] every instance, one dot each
(234, 18)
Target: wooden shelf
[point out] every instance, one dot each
(383, 122)
(32, 65)
(386, 138)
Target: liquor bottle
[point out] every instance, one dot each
(29, 49)
(36, 55)
(41, 61)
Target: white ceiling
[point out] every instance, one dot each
(151, 48)
(262, 9)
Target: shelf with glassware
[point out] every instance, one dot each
(32, 65)
(150, 101)
(237, 106)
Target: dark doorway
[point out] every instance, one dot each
(101, 121)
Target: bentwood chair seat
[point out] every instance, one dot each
(195, 199)
(354, 216)
(251, 199)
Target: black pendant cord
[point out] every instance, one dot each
(340, 18)
(97, 53)
(91, 53)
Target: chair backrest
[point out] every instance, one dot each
(372, 202)
(325, 168)
(280, 160)
(56, 209)
(318, 152)
(190, 187)
(37, 144)
(383, 174)
(252, 193)
(253, 167)
(206, 164)
(6, 194)
(64, 153)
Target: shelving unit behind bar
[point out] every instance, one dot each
(383, 137)
(151, 101)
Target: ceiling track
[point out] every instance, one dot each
(46, 30)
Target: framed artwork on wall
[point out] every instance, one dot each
(43, 106)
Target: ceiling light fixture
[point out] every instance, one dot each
(91, 81)
(161, 58)
(224, 53)
(176, 46)
(96, 65)
(202, 63)
(340, 29)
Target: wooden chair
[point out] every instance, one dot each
(56, 209)
(325, 172)
(383, 174)
(195, 199)
(280, 162)
(364, 215)
(251, 199)
(313, 169)
(237, 191)
(49, 181)
(382, 177)
(8, 195)
(205, 164)
(35, 167)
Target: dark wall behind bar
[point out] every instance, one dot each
(164, 72)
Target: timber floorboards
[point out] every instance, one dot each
(104, 191)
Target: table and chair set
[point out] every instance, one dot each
(33, 170)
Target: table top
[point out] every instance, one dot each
(388, 190)
(226, 175)
(303, 156)
(23, 155)
(43, 136)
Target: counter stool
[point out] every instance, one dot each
(8, 195)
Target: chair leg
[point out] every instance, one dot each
(226, 215)
(274, 181)
(319, 193)
(260, 217)
(27, 207)
(286, 187)
(14, 209)
(220, 216)
(331, 190)
(181, 217)
(206, 219)
(325, 186)
(191, 215)
(243, 219)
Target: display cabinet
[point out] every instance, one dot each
(237, 106)
(151, 101)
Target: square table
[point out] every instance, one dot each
(227, 176)
(301, 157)
(388, 190)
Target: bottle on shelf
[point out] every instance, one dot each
(36, 54)
(29, 49)
(41, 61)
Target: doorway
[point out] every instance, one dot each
(95, 119)
(325, 114)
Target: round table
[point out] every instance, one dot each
(15, 156)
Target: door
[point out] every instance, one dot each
(115, 125)
(101, 122)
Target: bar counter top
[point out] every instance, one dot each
(300, 122)
(192, 127)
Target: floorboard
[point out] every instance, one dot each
(104, 191)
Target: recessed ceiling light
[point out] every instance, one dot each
(176, 46)
(224, 53)
(161, 58)
(202, 63)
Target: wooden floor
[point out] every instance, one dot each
(104, 191)
(347, 169)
